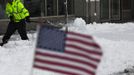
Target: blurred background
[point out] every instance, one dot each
(90, 10)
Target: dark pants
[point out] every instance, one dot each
(12, 27)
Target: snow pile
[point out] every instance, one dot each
(78, 22)
(78, 25)
(116, 40)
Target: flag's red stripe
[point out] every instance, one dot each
(81, 35)
(83, 55)
(64, 65)
(83, 49)
(67, 58)
(83, 42)
(55, 70)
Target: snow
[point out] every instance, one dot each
(115, 39)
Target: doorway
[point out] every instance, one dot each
(126, 9)
(114, 9)
(110, 9)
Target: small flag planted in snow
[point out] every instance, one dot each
(67, 53)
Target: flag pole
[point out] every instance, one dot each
(40, 22)
(66, 15)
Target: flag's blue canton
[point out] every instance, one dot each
(51, 39)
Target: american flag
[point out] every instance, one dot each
(67, 53)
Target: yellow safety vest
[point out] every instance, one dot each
(17, 10)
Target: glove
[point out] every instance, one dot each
(28, 19)
(11, 18)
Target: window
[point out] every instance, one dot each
(42, 7)
(70, 7)
(115, 9)
(61, 7)
(34, 7)
(2, 10)
(51, 7)
(126, 4)
(48, 7)
(105, 9)
(110, 9)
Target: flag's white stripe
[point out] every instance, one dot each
(83, 46)
(68, 55)
(83, 52)
(80, 38)
(65, 61)
(61, 68)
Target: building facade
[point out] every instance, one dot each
(105, 10)
(117, 10)
(90, 10)
(43, 8)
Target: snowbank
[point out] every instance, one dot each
(116, 40)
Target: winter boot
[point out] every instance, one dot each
(1, 44)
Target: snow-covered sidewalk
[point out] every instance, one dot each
(116, 40)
